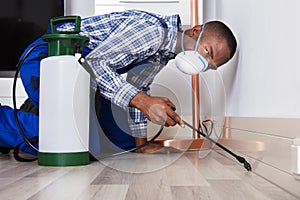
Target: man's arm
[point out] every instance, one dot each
(158, 110)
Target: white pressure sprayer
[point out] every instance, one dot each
(64, 99)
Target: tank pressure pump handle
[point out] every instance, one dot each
(66, 42)
(66, 19)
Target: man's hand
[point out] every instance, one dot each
(153, 148)
(159, 110)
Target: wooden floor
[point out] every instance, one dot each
(137, 176)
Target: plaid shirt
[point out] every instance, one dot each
(132, 41)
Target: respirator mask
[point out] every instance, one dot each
(192, 62)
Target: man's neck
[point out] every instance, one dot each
(178, 48)
(189, 43)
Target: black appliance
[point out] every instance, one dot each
(22, 22)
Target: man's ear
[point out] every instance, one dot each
(195, 31)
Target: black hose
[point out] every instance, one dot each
(21, 61)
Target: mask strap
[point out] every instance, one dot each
(198, 40)
(182, 46)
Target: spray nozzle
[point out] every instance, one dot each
(243, 161)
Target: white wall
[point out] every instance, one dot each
(266, 81)
(83, 8)
(262, 79)
(164, 7)
(6, 92)
(262, 82)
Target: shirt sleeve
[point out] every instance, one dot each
(137, 122)
(134, 43)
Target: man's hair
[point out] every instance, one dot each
(221, 31)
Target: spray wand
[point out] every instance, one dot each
(239, 158)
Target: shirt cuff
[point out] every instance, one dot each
(138, 129)
(124, 95)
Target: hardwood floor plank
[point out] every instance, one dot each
(18, 169)
(104, 192)
(236, 190)
(70, 185)
(260, 184)
(141, 163)
(194, 193)
(112, 176)
(148, 186)
(183, 173)
(210, 167)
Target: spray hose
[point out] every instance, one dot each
(14, 94)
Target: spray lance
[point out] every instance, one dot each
(64, 98)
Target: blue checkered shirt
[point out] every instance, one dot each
(132, 41)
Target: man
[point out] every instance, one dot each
(139, 44)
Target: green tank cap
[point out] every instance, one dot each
(65, 42)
